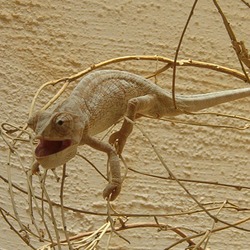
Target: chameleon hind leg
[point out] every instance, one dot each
(139, 105)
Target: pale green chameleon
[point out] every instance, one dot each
(100, 100)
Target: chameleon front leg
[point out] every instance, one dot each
(136, 105)
(113, 189)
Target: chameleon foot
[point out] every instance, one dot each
(111, 191)
(120, 139)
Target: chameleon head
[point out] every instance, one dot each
(58, 134)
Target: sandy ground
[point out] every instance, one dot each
(45, 40)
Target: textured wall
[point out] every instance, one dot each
(46, 40)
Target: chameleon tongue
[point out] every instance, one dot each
(46, 147)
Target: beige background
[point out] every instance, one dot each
(46, 40)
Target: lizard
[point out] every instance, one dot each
(101, 99)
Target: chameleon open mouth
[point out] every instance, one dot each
(51, 154)
(47, 147)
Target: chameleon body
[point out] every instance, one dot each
(100, 100)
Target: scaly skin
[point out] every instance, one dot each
(100, 100)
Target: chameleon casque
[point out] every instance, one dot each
(100, 100)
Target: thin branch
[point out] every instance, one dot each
(239, 47)
(177, 52)
(208, 235)
(81, 211)
(213, 231)
(91, 164)
(24, 238)
(42, 184)
(215, 183)
(191, 123)
(112, 223)
(180, 183)
(132, 226)
(170, 62)
(62, 208)
(247, 4)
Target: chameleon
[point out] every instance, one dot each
(101, 99)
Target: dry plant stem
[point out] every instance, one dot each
(91, 164)
(126, 168)
(42, 183)
(152, 225)
(177, 52)
(213, 67)
(234, 41)
(246, 126)
(198, 245)
(213, 231)
(30, 195)
(129, 226)
(97, 240)
(65, 85)
(112, 224)
(77, 243)
(162, 59)
(12, 195)
(176, 230)
(14, 139)
(238, 187)
(179, 182)
(220, 114)
(16, 231)
(247, 4)
(55, 175)
(159, 71)
(189, 212)
(96, 235)
(27, 229)
(90, 242)
(42, 215)
(4, 133)
(13, 150)
(108, 241)
(7, 132)
(208, 234)
(62, 209)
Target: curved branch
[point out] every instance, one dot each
(170, 62)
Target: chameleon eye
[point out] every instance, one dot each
(60, 122)
(63, 123)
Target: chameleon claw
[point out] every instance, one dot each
(118, 139)
(111, 191)
(114, 137)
